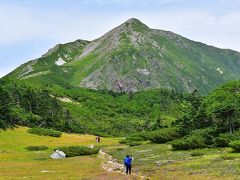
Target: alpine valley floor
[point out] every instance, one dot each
(154, 161)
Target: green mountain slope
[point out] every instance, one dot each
(82, 110)
(132, 57)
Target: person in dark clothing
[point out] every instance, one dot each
(98, 139)
(128, 164)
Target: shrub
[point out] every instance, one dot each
(235, 145)
(72, 151)
(221, 142)
(123, 141)
(36, 148)
(130, 139)
(199, 138)
(102, 134)
(190, 142)
(163, 135)
(224, 139)
(134, 138)
(44, 132)
(207, 135)
(197, 153)
(135, 143)
(141, 134)
(130, 143)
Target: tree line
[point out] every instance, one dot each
(24, 105)
(109, 113)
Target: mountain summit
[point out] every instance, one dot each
(133, 57)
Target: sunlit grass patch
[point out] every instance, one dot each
(16, 161)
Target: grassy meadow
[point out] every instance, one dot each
(18, 163)
(159, 161)
(153, 161)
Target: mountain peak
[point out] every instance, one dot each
(132, 57)
(133, 20)
(136, 25)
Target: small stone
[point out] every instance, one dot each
(109, 169)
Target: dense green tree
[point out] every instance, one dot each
(223, 106)
(4, 108)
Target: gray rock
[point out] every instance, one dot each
(58, 155)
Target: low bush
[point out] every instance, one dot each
(163, 135)
(224, 139)
(130, 142)
(207, 135)
(72, 151)
(123, 141)
(36, 148)
(44, 132)
(102, 134)
(197, 153)
(142, 134)
(134, 138)
(199, 138)
(221, 142)
(135, 143)
(235, 145)
(190, 142)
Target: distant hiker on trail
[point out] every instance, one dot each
(98, 139)
(128, 164)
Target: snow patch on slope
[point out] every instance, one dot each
(60, 62)
(220, 70)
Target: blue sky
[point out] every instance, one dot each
(28, 28)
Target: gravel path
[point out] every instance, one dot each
(111, 165)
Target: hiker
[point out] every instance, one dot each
(128, 164)
(131, 158)
(98, 139)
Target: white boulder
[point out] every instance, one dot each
(58, 155)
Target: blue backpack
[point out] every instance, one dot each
(126, 161)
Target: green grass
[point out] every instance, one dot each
(155, 161)
(150, 160)
(84, 67)
(17, 162)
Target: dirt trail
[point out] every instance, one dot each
(111, 165)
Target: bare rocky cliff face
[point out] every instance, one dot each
(133, 57)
